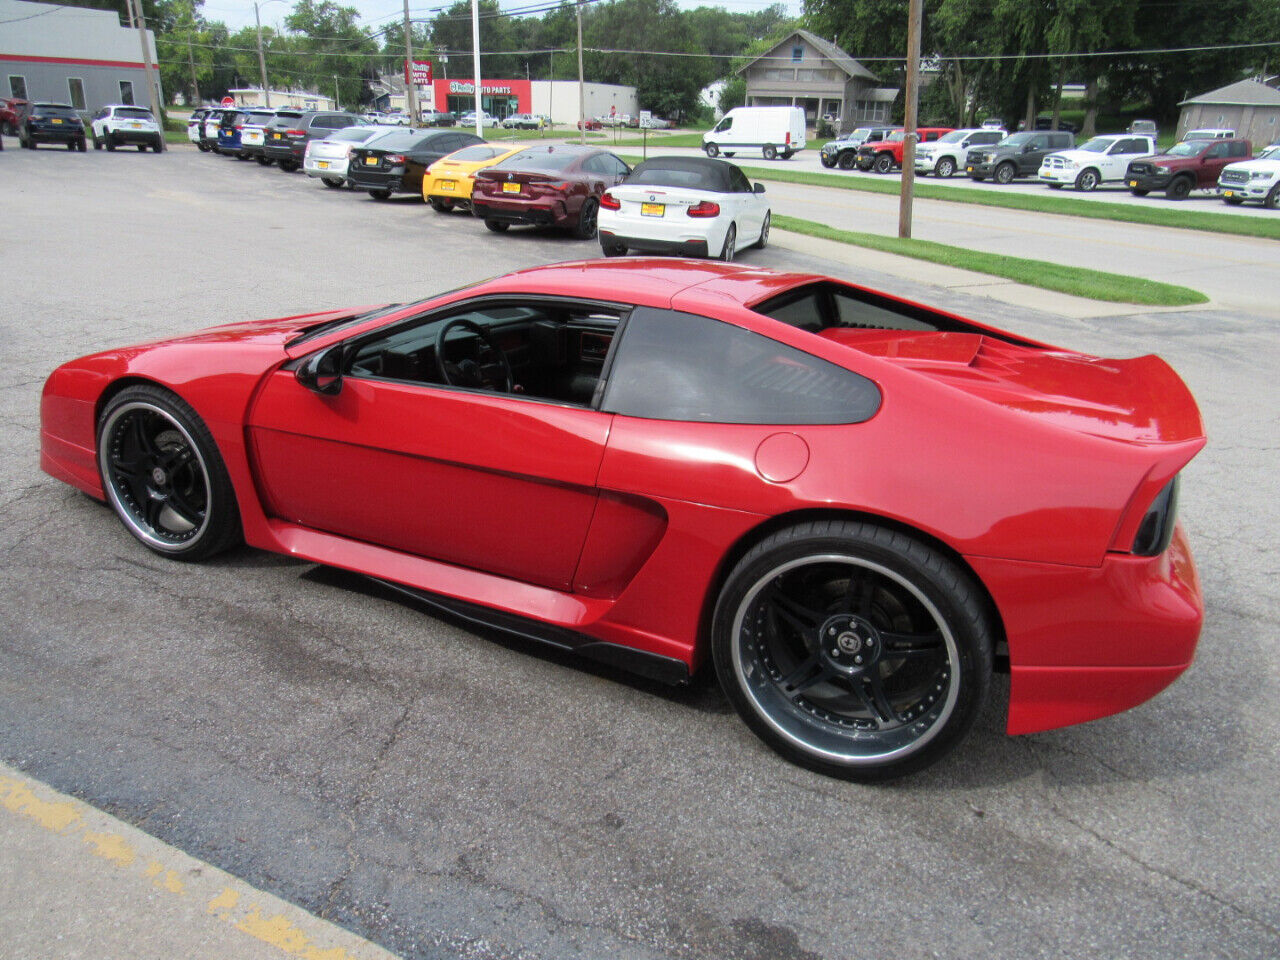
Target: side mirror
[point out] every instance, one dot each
(322, 372)
(759, 188)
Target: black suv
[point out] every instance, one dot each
(289, 133)
(51, 123)
(1018, 155)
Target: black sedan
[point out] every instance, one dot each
(395, 162)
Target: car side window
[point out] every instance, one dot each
(620, 169)
(740, 182)
(1238, 148)
(1217, 151)
(679, 366)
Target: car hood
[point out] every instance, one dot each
(278, 330)
(1084, 156)
(1267, 166)
(1138, 400)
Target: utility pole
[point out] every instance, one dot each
(909, 120)
(262, 60)
(410, 91)
(153, 95)
(475, 64)
(335, 93)
(582, 96)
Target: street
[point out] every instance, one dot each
(447, 793)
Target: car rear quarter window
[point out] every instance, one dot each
(680, 366)
(1239, 149)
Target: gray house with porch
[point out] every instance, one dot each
(804, 70)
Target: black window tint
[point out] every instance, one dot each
(678, 366)
(740, 182)
(1217, 151)
(1238, 149)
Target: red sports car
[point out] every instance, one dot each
(856, 505)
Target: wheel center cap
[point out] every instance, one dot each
(849, 643)
(158, 476)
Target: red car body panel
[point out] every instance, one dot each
(1033, 465)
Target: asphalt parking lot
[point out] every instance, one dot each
(449, 793)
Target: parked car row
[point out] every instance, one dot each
(689, 206)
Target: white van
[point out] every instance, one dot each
(771, 131)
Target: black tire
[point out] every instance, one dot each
(587, 218)
(265, 161)
(97, 144)
(288, 166)
(202, 146)
(729, 251)
(1179, 188)
(1233, 201)
(770, 152)
(1139, 193)
(163, 475)
(142, 148)
(883, 163)
(1055, 186)
(82, 145)
(242, 157)
(763, 240)
(853, 650)
(1088, 180)
(847, 160)
(497, 226)
(1004, 174)
(159, 146)
(729, 154)
(946, 167)
(333, 183)
(440, 204)
(111, 144)
(611, 249)
(380, 194)
(71, 145)
(711, 150)
(787, 154)
(827, 162)
(1273, 198)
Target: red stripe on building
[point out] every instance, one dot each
(14, 58)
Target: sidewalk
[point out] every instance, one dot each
(77, 884)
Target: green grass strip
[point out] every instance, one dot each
(1077, 281)
(1267, 228)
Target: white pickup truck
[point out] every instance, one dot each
(1101, 160)
(1256, 179)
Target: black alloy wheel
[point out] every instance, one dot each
(770, 151)
(1004, 174)
(827, 162)
(163, 475)
(883, 164)
(847, 160)
(333, 183)
(852, 649)
(946, 167)
(729, 249)
(1088, 180)
(1234, 201)
(612, 249)
(1179, 189)
(586, 228)
(265, 161)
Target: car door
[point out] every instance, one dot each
(750, 205)
(1211, 164)
(1116, 162)
(499, 482)
(1036, 150)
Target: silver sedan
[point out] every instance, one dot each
(327, 158)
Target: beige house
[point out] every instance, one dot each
(252, 97)
(806, 71)
(1250, 108)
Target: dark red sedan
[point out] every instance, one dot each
(856, 506)
(553, 186)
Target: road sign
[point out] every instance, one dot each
(228, 101)
(421, 75)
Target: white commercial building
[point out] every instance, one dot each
(558, 99)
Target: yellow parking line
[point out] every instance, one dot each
(183, 899)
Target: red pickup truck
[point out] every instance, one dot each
(885, 155)
(1186, 166)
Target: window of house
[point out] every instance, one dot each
(75, 89)
(126, 91)
(18, 87)
(797, 53)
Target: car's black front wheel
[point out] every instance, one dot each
(847, 160)
(1273, 198)
(1179, 189)
(883, 164)
(1087, 181)
(711, 150)
(945, 168)
(163, 475)
(381, 194)
(586, 228)
(763, 240)
(853, 649)
(1004, 174)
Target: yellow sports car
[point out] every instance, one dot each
(449, 180)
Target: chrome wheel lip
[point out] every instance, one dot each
(846, 758)
(126, 513)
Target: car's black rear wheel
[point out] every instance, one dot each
(763, 240)
(729, 249)
(333, 183)
(847, 160)
(497, 226)
(612, 249)
(265, 161)
(853, 649)
(586, 228)
(381, 194)
(440, 205)
(770, 152)
(163, 475)
(288, 166)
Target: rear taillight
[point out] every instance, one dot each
(1156, 529)
(239, 126)
(295, 133)
(788, 140)
(609, 202)
(394, 158)
(705, 209)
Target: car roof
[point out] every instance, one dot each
(713, 175)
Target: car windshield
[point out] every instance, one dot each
(1017, 140)
(1097, 145)
(955, 136)
(352, 134)
(133, 113)
(1187, 148)
(861, 133)
(532, 160)
(1271, 153)
(896, 136)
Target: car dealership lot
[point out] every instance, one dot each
(453, 793)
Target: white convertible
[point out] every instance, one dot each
(689, 206)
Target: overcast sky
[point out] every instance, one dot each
(376, 13)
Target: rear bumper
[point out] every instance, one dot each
(1088, 642)
(56, 135)
(680, 248)
(542, 213)
(284, 151)
(375, 181)
(336, 169)
(134, 136)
